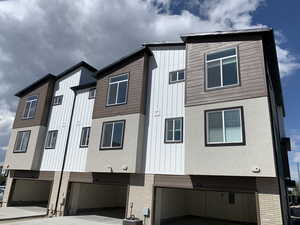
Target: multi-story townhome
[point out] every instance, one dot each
(174, 131)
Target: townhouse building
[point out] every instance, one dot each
(191, 129)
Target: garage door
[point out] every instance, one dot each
(97, 199)
(194, 207)
(26, 192)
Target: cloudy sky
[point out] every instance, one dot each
(39, 37)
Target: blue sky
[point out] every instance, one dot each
(40, 37)
(285, 19)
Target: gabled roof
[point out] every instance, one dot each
(122, 60)
(51, 76)
(76, 66)
(35, 84)
(185, 37)
(163, 43)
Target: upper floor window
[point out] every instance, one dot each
(92, 93)
(117, 90)
(85, 135)
(112, 135)
(51, 139)
(224, 127)
(57, 100)
(222, 69)
(22, 141)
(173, 130)
(176, 76)
(30, 107)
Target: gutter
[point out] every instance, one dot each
(65, 154)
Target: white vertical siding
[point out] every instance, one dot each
(164, 101)
(59, 120)
(82, 117)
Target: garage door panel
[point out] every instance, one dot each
(30, 193)
(108, 200)
(174, 203)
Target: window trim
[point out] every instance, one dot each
(242, 121)
(108, 89)
(92, 97)
(15, 146)
(58, 96)
(122, 139)
(81, 137)
(221, 71)
(165, 133)
(37, 101)
(45, 147)
(177, 81)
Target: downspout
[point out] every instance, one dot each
(65, 154)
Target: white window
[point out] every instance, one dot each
(85, 135)
(224, 126)
(117, 90)
(176, 76)
(112, 135)
(222, 69)
(22, 141)
(30, 107)
(92, 93)
(57, 100)
(173, 130)
(51, 139)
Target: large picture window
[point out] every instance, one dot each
(112, 135)
(85, 135)
(224, 127)
(51, 139)
(222, 69)
(173, 130)
(117, 90)
(22, 141)
(30, 107)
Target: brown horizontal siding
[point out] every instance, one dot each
(251, 71)
(136, 99)
(44, 93)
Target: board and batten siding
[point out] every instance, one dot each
(82, 117)
(251, 71)
(164, 101)
(60, 116)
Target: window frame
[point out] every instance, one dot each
(81, 137)
(58, 96)
(37, 101)
(15, 146)
(242, 122)
(102, 136)
(90, 90)
(221, 71)
(108, 89)
(176, 81)
(52, 147)
(165, 133)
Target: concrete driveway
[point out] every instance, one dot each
(71, 220)
(21, 212)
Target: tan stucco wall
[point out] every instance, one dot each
(31, 159)
(231, 160)
(118, 159)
